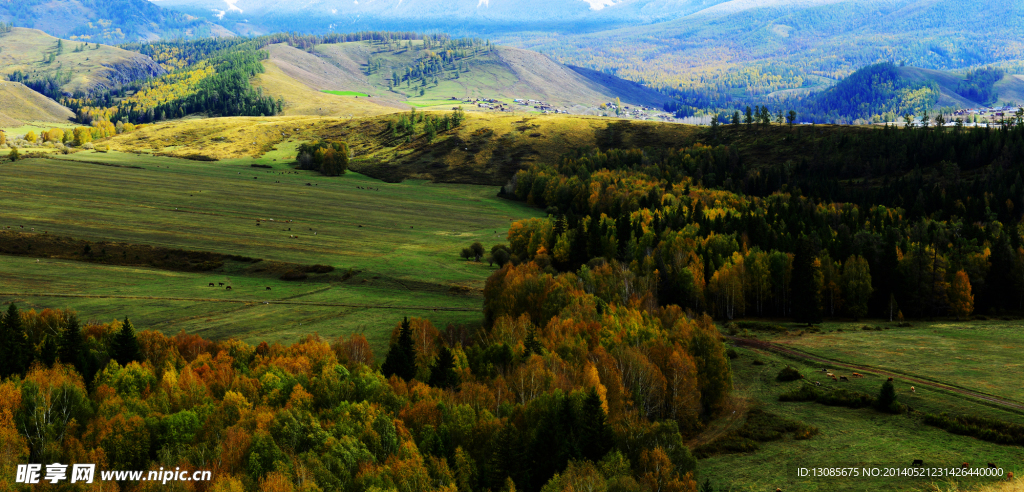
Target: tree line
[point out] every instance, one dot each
(663, 223)
(514, 406)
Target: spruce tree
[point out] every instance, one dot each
(14, 351)
(595, 434)
(442, 371)
(124, 348)
(401, 358)
(806, 305)
(531, 345)
(48, 351)
(886, 401)
(69, 349)
(594, 242)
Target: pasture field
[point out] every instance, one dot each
(346, 93)
(400, 242)
(982, 356)
(849, 437)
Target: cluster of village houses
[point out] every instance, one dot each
(991, 114)
(608, 109)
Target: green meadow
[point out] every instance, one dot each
(849, 437)
(346, 93)
(394, 246)
(982, 356)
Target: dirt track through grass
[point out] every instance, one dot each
(919, 380)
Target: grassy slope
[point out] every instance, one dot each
(24, 49)
(487, 149)
(1011, 89)
(947, 82)
(300, 99)
(849, 437)
(19, 104)
(505, 73)
(405, 251)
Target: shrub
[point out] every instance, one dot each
(986, 429)
(732, 353)
(294, 275)
(318, 269)
(760, 426)
(788, 374)
(835, 398)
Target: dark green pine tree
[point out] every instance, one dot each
(886, 401)
(509, 459)
(401, 358)
(124, 348)
(594, 246)
(442, 371)
(15, 355)
(578, 252)
(531, 345)
(707, 487)
(48, 351)
(623, 230)
(595, 434)
(806, 298)
(69, 350)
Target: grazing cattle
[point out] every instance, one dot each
(843, 378)
(211, 284)
(816, 383)
(834, 377)
(965, 465)
(1009, 475)
(992, 465)
(913, 389)
(360, 225)
(890, 379)
(268, 288)
(830, 375)
(858, 375)
(219, 283)
(227, 288)
(917, 463)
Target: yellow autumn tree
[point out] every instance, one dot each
(960, 298)
(31, 137)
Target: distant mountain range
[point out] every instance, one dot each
(459, 17)
(106, 21)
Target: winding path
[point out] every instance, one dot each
(774, 347)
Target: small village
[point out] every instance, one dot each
(607, 109)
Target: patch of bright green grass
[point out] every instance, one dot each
(346, 93)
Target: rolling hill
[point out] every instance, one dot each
(743, 50)
(499, 73)
(19, 105)
(74, 66)
(889, 92)
(107, 21)
(486, 149)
